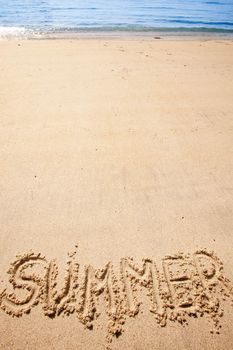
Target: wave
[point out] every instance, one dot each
(8, 32)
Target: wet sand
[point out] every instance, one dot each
(113, 151)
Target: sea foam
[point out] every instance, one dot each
(12, 32)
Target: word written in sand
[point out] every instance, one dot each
(180, 287)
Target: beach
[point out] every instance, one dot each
(116, 193)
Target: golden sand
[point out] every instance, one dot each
(116, 194)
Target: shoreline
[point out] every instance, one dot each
(108, 33)
(189, 35)
(120, 37)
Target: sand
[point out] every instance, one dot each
(116, 194)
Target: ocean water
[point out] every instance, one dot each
(19, 17)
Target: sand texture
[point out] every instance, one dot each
(116, 194)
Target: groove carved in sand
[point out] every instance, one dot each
(183, 286)
(30, 283)
(148, 277)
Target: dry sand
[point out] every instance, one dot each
(116, 184)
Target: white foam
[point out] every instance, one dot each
(11, 32)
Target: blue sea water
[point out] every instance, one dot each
(131, 15)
